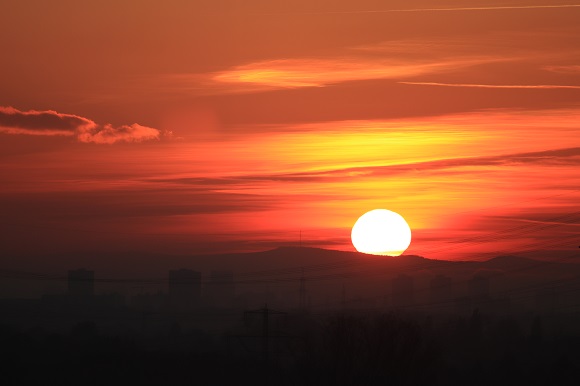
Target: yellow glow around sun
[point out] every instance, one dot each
(381, 232)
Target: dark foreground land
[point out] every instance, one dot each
(343, 348)
(347, 319)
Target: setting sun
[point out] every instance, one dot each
(381, 232)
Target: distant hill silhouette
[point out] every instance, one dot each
(319, 266)
(510, 261)
(282, 258)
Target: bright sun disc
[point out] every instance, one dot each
(381, 232)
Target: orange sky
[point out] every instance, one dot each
(210, 126)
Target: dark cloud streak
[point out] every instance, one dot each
(567, 156)
(129, 203)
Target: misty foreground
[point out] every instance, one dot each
(335, 318)
(337, 349)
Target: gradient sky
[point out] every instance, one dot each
(190, 127)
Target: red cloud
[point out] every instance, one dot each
(52, 123)
(109, 134)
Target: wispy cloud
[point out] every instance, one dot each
(397, 59)
(506, 86)
(452, 9)
(568, 69)
(13, 121)
(565, 156)
(295, 73)
(109, 134)
(52, 123)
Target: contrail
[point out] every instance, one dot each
(505, 86)
(457, 9)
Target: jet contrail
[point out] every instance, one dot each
(507, 86)
(456, 9)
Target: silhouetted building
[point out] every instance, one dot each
(221, 289)
(403, 291)
(81, 285)
(441, 289)
(184, 288)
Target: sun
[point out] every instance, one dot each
(381, 232)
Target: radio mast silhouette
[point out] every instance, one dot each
(265, 312)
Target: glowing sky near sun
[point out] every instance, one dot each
(186, 127)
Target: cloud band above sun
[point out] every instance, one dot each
(296, 73)
(52, 123)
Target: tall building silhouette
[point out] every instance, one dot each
(184, 288)
(81, 285)
(403, 291)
